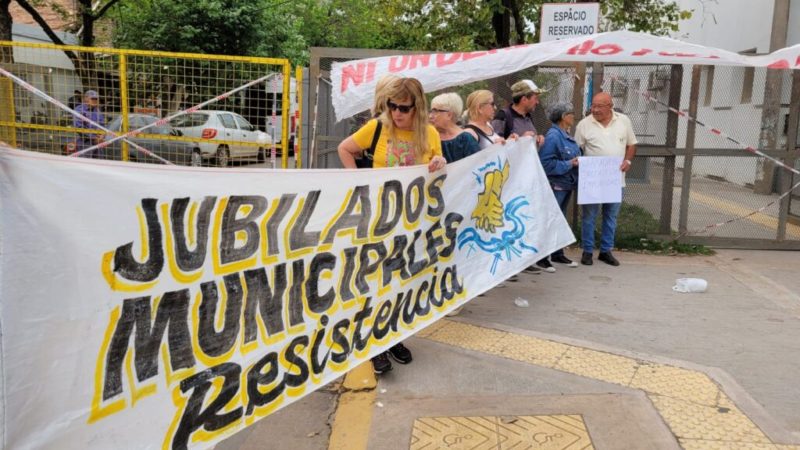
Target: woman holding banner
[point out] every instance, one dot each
(404, 138)
(559, 155)
(456, 142)
(480, 111)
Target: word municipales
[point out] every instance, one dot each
(285, 290)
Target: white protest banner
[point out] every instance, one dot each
(354, 81)
(157, 307)
(599, 179)
(568, 20)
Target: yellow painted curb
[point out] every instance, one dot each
(350, 430)
(695, 407)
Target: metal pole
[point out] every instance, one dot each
(686, 181)
(668, 179)
(577, 105)
(298, 126)
(791, 153)
(770, 114)
(287, 80)
(123, 103)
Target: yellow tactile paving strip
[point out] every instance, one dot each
(558, 432)
(694, 407)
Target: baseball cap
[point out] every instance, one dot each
(525, 87)
(91, 94)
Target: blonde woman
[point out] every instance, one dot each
(456, 142)
(380, 94)
(480, 112)
(404, 139)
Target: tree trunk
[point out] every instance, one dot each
(6, 21)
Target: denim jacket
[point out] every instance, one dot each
(558, 150)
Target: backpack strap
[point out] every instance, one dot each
(370, 152)
(509, 123)
(481, 133)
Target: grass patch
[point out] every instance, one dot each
(633, 225)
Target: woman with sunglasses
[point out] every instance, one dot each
(456, 143)
(405, 139)
(480, 112)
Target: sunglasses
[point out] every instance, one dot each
(437, 111)
(405, 109)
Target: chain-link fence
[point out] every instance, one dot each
(723, 179)
(248, 109)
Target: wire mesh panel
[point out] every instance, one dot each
(181, 108)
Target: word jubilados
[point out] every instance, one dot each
(240, 301)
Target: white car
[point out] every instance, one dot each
(225, 126)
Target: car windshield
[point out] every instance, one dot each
(190, 120)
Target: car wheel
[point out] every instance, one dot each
(223, 156)
(197, 158)
(262, 155)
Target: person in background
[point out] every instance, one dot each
(517, 119)
(480, 112)
(406, 139)
(90, 108)
(604, 133)
(75, 100)
(456, 142)
(559, 156)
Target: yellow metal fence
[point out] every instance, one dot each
(125, 90)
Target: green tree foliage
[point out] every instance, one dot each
(227, 27)
(286, 28)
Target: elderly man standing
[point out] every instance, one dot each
(90, 108)
(604, 133)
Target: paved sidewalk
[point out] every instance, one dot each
(605, 357)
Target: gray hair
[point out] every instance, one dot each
(558, 111)
(451, 102)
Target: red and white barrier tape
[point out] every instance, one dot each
(167, 119)
(719, 132)
(32, 89)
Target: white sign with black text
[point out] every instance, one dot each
(568, 20)
(599, 180)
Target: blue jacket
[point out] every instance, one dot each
(558, 150)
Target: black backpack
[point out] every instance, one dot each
(367, 158)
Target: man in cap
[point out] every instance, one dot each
(90, 108)
(517, 119)
(604, 133)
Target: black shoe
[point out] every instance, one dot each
(608, 258)
(546, 266)
(400, 354)
(381, 363)
(561, 259)
(586, 259)
(533, 269)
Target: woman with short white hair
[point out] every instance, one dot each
(456, 143)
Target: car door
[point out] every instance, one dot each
(231, 134)
(248, 134)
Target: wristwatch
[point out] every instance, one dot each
(628, 161)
